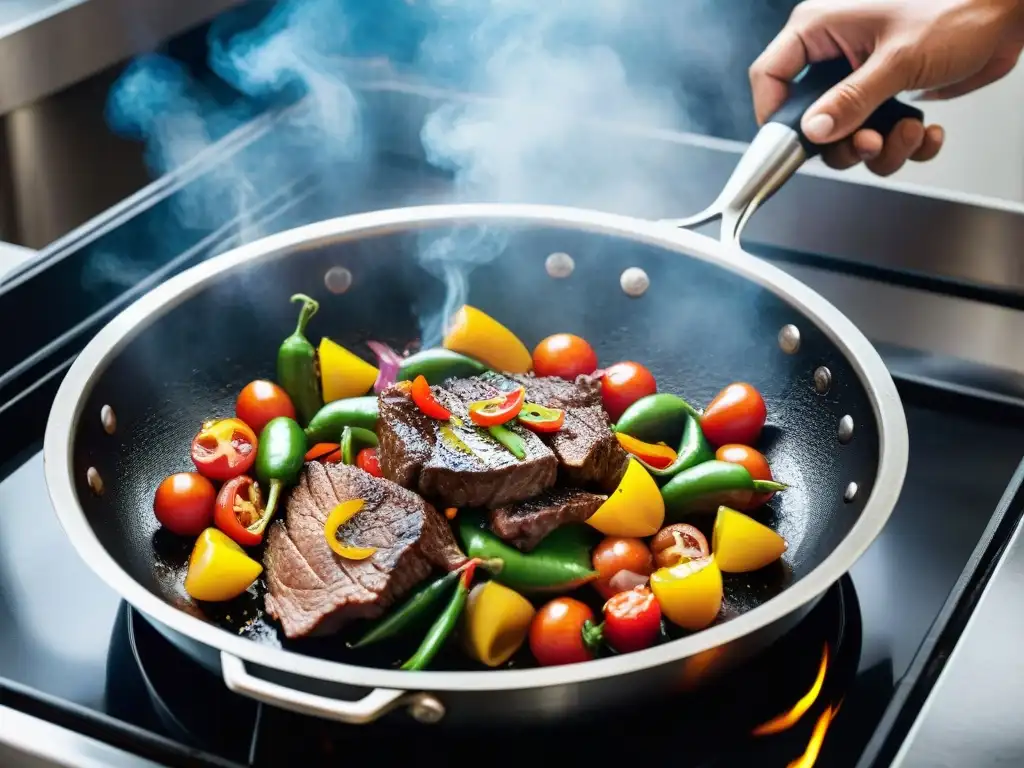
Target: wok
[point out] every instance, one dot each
(712, 314)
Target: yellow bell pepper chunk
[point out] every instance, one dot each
(635, 509)
(690, 593)
(496, 623)
(741, 544)
(219, 569)
(342, 373)
(478, 335)
(340, 515)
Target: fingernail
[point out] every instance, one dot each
(867, 154)
(818, 128)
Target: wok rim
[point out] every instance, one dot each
(95, 357)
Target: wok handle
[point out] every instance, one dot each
(814, 82)
(378, 702)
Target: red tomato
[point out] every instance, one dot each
(556, 634)
(736, 415)
(224, 449)
(623, 384)
(368, 461)
(184, 503)
(678, 542)
(565, 356)
(755, 463)
(616, 554)
(632, 620)
(260, 401)
(239, 506)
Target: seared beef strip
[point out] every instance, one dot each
(310, 589)
(456, 463)
(526, 523)
(586, 447)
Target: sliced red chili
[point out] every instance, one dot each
(541, 419)
(497, 410)
(224, 449)
(332, 458)
(320, 450)
(368, 461)
(239, 507)
(425, 401)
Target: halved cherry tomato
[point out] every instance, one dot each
(565, 356)
(184, 503)
(556, 633)
(537, 418)
(677, 542)
(735, 415)
(497, 410)
(260, 401)
(756, 464)
(224, 449)
(239, 506)
(425, 401)
(623, 384)
(368, 461)
(632, 620)
(615, 554)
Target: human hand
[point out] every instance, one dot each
(945, 48)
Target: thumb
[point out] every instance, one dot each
(848, 105)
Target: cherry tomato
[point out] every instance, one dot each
(623, 384)
(239, 506)
(632, 620)
(497, 410)
(368, 461)
(616, 554)
(565, 356)
(755, 463)
(260, 401)
(224, 449)
(184, 503)
(556, 634)
(678, 542)
(736, 415)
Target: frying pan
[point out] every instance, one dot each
(711, 314)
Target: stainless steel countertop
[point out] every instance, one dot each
(46, 45)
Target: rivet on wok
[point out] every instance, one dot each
(850, 493)
(108, 419)
(559, 265)
(426, 709)
(338, 279)
(845, 429)
(789, 339)
(822, 380)
(634, 282)
(94, 480)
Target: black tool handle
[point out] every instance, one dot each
(815, 82)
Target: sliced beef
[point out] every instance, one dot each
(456, 463)
(525, 524)
(586, 447)
(311, 590)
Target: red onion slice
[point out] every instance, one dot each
(388, 363)
(623, 581)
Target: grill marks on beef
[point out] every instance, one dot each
(311, 590)
(459, 466)
(527, 523)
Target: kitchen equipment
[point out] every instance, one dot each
(712, 314)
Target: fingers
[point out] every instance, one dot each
(773, 70)
(909, 140)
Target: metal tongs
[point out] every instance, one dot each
(780, 148)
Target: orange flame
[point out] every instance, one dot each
(810, 755)
(791, 717)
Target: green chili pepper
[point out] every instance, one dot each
(705, 487)
(436, 365)
(559, 563)
(693, 449)
(656, 418)
(354, 438)
(279, 458)
(329, 421)
(445, 623)
(509, 439)
(413, 609)
(296, 364)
